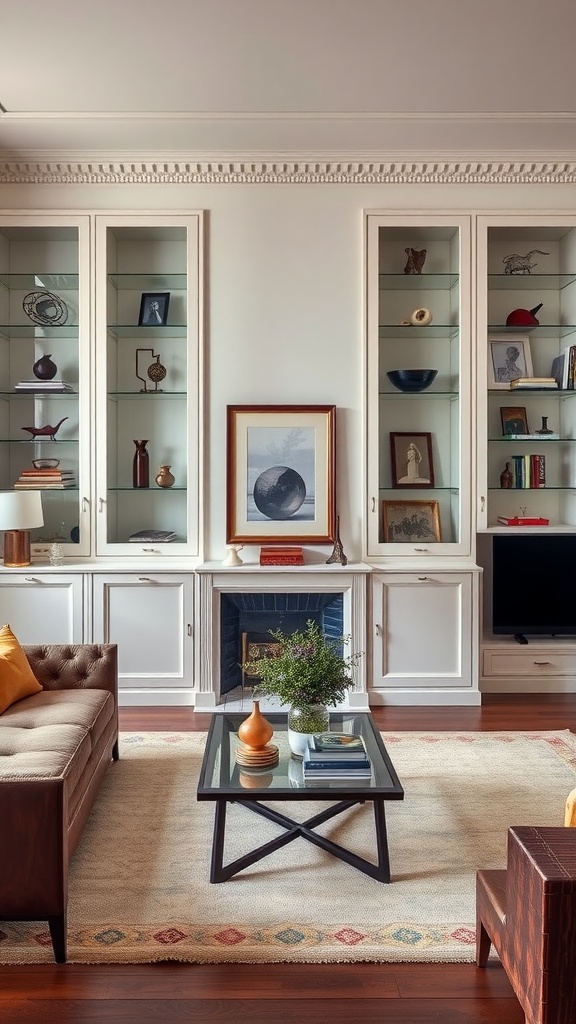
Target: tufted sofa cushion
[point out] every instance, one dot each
(51, 735)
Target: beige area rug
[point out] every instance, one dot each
(139, 889)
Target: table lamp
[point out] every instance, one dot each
(20, 511)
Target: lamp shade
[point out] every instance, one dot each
(20, 510)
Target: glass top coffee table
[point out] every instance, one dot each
(225, 782)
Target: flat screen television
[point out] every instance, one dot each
(533, 580)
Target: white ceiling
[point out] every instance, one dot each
(210, 76)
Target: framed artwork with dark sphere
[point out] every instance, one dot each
(280, 470)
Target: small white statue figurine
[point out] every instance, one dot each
(233, 558)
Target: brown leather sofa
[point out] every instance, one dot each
(55, 747)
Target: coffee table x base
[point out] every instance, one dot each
(220, 872)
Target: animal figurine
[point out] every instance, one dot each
(47, 431)
(415, 261)
(515, 264)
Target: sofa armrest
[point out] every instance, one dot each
(75, 666)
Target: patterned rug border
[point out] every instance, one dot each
(397, 942)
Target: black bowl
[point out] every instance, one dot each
(411, 380)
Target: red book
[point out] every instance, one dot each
(281, 556)
(523, 521)
(538, 470)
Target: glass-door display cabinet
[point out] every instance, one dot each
(526, 372)
(148, 384)
(44, 372)
(418, 372)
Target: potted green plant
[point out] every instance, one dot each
(308, 672)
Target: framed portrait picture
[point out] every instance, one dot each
(411, 456)
(407, 522)
(514, 419)
(154, 309)
(509, 358)
(280, 473)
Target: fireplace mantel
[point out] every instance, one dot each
(215, 579)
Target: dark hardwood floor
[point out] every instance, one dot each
(290, 993)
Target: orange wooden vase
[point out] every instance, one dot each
(255, 731)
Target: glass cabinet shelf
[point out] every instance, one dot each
(152, 489)
(414, 395)
(35, 331)
(38, 440)
(39, 394)
(533, 490)
(157, 396)
(47, 282)
(409, 492)
(543, 331)
(414, 331)
(149, 282)
(531, 440)
(530, 282)
(417, 282)
(149, 331)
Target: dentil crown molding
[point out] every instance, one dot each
(306, 171)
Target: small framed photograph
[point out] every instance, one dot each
(280, 474)
(514, 419)
(154, 309)
(509, 358)
(411, 456)
(407, 522)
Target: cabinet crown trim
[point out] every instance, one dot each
(288, 172)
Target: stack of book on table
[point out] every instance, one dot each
(330, 756)
(45, 479)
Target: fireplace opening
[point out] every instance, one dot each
(246, 621)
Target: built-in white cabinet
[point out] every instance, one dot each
(150, 616)
(46, 427)
(148, 385)
(418, 440)
(424, 637)
(526, 262)
(44, 607)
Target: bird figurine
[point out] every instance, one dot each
(47, 431)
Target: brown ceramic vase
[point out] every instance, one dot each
(255, 731)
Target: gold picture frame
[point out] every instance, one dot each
(280, 474)
(410, 522)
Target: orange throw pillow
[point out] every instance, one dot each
(17, 679)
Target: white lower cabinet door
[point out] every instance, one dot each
(43, 608)
(149, 616)
(424, 643)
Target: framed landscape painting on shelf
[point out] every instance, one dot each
(407, 522)
(411, 459)
(280, 473)
(509, 357)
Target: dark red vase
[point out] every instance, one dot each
(141, 465)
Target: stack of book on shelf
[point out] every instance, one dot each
(152, 537)
(523, 521)
(330, 756)
(281, 556)
(533, 382)
(529, 471)
(45, 479)
(58, 387)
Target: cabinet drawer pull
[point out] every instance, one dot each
(145, 579)
(421, 549)
(424, 579)
(378, 628)
(542, 663)
(373, 504)
(31, 579)
(101, 503)
(154, 551)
